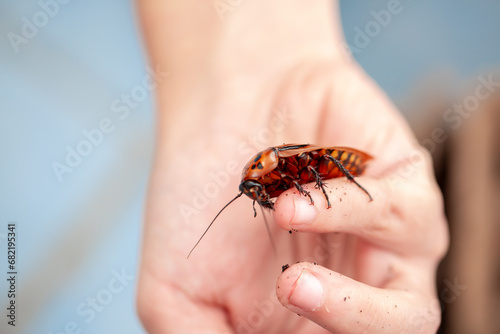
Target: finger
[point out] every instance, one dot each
(342, 305)
(405, 210)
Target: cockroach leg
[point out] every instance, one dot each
(346, 173)
(254, 211)
(320, 184)
(302, 191)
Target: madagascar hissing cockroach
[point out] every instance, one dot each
(276, 169)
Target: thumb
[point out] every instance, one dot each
(343, 305)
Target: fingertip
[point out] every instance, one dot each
(293, 210)
(341, 304)
(284, 210)
(300, 289)
(284, 283)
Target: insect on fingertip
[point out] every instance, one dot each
(277, 169)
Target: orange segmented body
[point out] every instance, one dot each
(276, 169)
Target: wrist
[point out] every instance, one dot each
(190, 34)
(250, 39)
(229, 55)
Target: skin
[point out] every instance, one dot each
(228, 79)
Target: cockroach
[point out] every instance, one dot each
(276, 169)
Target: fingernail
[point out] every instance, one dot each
(307, 293)
(304, 212)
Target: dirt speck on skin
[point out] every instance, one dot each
(345, 298)
(284, 267)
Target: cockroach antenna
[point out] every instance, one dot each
(225, 206)
(268, 229)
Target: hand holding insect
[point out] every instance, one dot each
(376, 260)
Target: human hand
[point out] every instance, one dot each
(379, 256)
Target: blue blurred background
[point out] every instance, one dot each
(79, 227)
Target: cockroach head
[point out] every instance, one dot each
(252, 189)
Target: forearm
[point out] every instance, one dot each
(188, 34)
(252, 40)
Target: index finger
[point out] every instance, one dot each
(406, 210)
